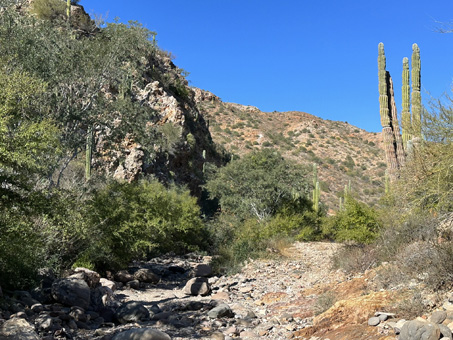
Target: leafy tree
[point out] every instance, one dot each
(257, 185)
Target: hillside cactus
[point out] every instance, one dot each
(316, 188)
(416, 96)
(406, 103)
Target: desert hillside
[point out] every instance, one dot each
(343, 152)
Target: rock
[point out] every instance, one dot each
(374, 321)
(419, 330)
(134, 284)
(197, 286)
(89, 276)
(16, 328)
(146, 275)
(141, 334)
(107, 283)
(202, 270)
(132, 312)
(44, 322)
(217, 336)
(220, 311)
(72, 292)
(37, 308)
(220, 296)
(123, 276)
(438, 316)
(25, 298)
(445, 332)
(383, 317)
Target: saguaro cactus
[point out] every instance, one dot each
(406, 103)
(416, 96)
(386, 115)
(316, 188)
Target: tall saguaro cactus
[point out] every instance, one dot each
(406, 104)
(316, 188)
(385, 108)
(416, 96)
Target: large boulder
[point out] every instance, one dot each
(72, 292)
(197, 286)
(132, 312)
(141, 334)
(18, 328)
(203, 270)
(146, 275)
(419, 330)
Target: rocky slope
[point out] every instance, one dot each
(343, 152)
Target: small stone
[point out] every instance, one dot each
(107, 283)
(91, 277)
(44, 322)
(383, 317)
(374, 321)
(123, 276)
(217, 336)
(37, 308)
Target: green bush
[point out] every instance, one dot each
(132, 220)
(355, 222)
(49, 9)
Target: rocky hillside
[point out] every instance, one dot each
(343, 152)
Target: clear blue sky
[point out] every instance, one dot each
(314, 56)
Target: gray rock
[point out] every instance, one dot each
(134, 284)
(374, 321)
(123, 276)
(445, 332)
(108, 284)
(132, 312)
(141, 334)
(222, 310)
(89, 276)
(146, 275)
(438, 316)
(25, 298)
(16, 328)
(383, 317)
(202, 270)
(419, 330)
(197, 286)
(72, 292)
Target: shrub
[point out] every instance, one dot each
(132, 220)
(49, 9)
(356, 222)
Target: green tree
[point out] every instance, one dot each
(257, 185)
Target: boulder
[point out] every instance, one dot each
(146, 275)
(438, 316)
(107, 283)
(123, 276)
(132, 312)
(18, 328)
(222, 310)
(141, 334)
(419, 330)
(197, 286)
(89, 276)
(72, 292)
(445, 332)
(203, 270)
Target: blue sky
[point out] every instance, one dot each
(318, 57)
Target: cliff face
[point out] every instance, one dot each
(181, 133)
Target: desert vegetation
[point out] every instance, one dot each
(75, 110)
